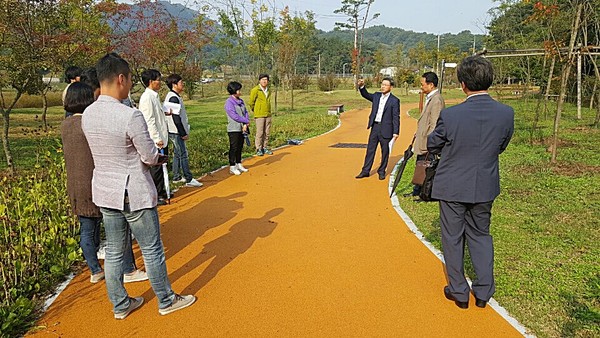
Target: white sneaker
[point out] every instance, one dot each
(234, 170)
(134, 303)
(136, 276)
(97, 277)
(180, 302)
(182, 180)
(241, 168)
(101, 253)
(193, 183)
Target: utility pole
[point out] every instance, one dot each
(319, 69)
(437, 57)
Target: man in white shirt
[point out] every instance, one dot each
(151, 107)
(384, 122)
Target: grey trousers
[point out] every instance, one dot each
(460, 221)
(263, 130)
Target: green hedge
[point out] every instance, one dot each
(38, 240)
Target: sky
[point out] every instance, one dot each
(430, 16)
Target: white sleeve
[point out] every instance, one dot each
(146, 107)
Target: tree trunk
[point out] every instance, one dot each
(355, 56)
(593, 95)
(45, 110)
(564, 80)
(6, 123)
(550, 75)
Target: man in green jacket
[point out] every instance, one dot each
(260, 103)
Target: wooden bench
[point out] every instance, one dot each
(335, 109)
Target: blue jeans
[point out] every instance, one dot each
(89, 240)
(180, 158)
(146, 228)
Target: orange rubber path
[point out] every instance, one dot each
(295, 247)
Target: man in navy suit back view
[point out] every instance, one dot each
(469, 137)
(384, 122)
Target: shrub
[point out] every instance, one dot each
(300, 81)
(38, 240)
(328, 83)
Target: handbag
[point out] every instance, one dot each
(427, 186)
(419, 174)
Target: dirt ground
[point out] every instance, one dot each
(295, 247)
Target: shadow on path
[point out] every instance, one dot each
(223, 250)
(184, 231)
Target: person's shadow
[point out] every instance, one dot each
(188, 226)
(270, 159)
(223, 250)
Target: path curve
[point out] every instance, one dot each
(295, 247)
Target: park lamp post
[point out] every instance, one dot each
(344, 69)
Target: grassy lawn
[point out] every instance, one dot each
(545, 223)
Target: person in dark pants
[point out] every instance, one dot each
(384, 122)
(151, 106)
(237, 125)
(470, 137)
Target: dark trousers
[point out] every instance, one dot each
(159, 179)
(470, 221)
(417, 187)
(375, 138)
(236, 143)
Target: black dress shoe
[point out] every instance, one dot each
(449, 296)
(362, 175)
(480, 303)
(381, 176)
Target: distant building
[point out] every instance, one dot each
(389, 71)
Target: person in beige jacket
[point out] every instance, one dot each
(151, 106)
(434, 103)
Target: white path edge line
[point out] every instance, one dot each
(413, 228)
(57, 292)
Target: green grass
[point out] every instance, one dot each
(545, 223)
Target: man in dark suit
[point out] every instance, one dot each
(470, 136)
(384, 122)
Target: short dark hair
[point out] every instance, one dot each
(110, 66)
(150, 75)
(71, 73)
(476, 72)
(233, 87)
(263, 75)
(390, 80)
(78, 97)
(173, 79)
(431, 77)
(90, 78)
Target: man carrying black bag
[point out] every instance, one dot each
(470, 136)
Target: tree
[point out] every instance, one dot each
(33, 35)
(356, 22)
(295, 36)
